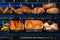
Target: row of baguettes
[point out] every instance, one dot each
(49, 8)
(31, 25)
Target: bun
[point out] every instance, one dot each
(52, 11)
(4, 11)
(49, 5)
(12, 25)
(38, 10)
(26, 9)
(17, 11)
(19, 26)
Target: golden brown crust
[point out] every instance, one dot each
(49, 5)
(35, 10)
(38, 10)
(19, 26)
(52, 11)
(28, 24)
(12, 25)
(41, 10)
(17, 11)
(33, 24)
(26, 9)
(4, 11)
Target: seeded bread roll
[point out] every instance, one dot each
(52, 11)
(38, 10)
(49, 5)
(26, 10)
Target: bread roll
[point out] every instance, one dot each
(54, 26)
(26, 10)
(19, 26)
(46, 26)
(49, 5)
(4, 11)
(28, 24)
(33, 24)
(52, 11)
(5, 27)
(17, 11)
(38, 10)
(51, 27)
(12, 25)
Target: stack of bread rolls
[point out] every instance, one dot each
(51, 8)
(16, 25)
(30, 25)
(38, 24)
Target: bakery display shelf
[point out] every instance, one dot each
(7, 16)
(29, 34)
(19, 3)
(38, 16)
(30, 16)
